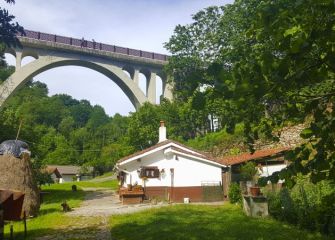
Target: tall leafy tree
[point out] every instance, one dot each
(273, 63)
(8, 30)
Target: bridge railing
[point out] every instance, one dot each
(82, 43)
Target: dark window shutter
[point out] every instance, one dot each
(142, 173)
(149, 172)
(156, 173)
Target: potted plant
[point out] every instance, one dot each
(249, 173)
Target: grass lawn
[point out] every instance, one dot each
(51, 218)
(199, 222)
(107, 174)
(112, 184)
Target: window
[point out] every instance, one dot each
(149, 172)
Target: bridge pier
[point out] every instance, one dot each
(136, 77)
(18, 57)
(167, 88)
(152, 88)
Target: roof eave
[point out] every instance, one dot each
(169, 150)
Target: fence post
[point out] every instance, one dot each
(25, 224)
(2, 223)
(11, 235)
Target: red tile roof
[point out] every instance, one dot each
(244, 157)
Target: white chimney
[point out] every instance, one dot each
(162, 132)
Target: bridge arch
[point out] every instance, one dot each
(44, 63)
(121, 65)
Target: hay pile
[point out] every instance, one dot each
(17, 174)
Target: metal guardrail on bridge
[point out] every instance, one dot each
(82, 43)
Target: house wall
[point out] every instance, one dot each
(269, 170)
(187, 180)
(187, 172)
(54, 178)
(68, 177)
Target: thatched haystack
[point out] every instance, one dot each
(16, 174)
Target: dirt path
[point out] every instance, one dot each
(105, 202)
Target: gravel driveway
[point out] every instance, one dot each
(105, 202)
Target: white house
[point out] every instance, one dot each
(171, 171)
(68, 173)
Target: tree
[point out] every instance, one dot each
(143, 126)
(273, 64)
(194, 47)
(8, 31)
(295, 60)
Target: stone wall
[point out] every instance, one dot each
(288, 137)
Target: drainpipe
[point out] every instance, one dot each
(172, 184)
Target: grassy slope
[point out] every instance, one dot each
(201, 223)
(51, 218)
(106, 184)
(107, 174)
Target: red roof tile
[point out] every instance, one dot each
(244, 157)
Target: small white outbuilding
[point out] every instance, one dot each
(172, 171)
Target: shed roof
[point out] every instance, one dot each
(51, 170)
(68, 169)
(259, 154)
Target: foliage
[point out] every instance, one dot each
(201, 222)
(143, 126)
(310, 206)
(271, 64)
(8, 31)
(42, 178)
(248, 171)
(234, 193)
(182, 121)
(62, 130)
(220, 143)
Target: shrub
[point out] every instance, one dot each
(310, 206)
(234, 193)
(248, 171)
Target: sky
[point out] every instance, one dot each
(138, 24)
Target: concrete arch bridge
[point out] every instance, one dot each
(121, 65)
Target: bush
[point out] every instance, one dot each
(248, 171)
(310, 206)
(234, 193)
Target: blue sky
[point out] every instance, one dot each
(139, 24)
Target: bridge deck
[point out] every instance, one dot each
(82, 43)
